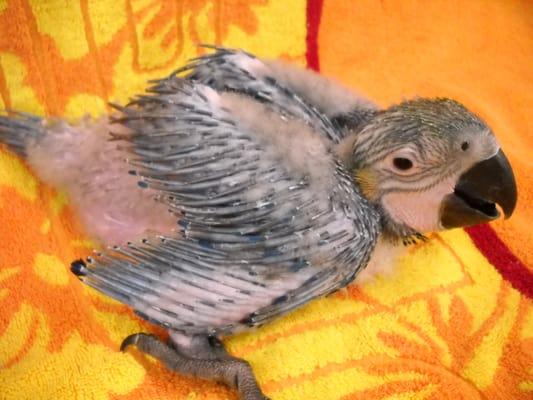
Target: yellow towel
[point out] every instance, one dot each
(454, 321)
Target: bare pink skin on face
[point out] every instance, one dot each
(84, 161)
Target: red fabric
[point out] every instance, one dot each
(314, 12)
(499, 255)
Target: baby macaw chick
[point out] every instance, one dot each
(237, 190)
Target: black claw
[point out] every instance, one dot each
(78, 268)
(131, 340)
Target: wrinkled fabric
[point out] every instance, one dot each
(452, 321)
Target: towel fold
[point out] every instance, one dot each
(453, 321)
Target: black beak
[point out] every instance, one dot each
(479, 189)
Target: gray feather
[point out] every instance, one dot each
(220, 71)
(18, 130)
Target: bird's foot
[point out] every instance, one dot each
(202, 357)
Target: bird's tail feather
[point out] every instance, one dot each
(18, 130)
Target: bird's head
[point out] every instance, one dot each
(430, 164)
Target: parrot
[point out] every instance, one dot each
(237, 189)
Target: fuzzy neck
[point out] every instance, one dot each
(395, 233)
(352, 125)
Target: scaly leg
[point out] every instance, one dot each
(203, 357)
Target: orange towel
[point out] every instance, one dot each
(454, 321)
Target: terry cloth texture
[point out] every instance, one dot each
(455, 319)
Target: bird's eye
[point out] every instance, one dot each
(402, 163)
(465, 146)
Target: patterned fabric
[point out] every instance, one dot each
(455, 319)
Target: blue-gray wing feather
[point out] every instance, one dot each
(253, 241)
(221, 70)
